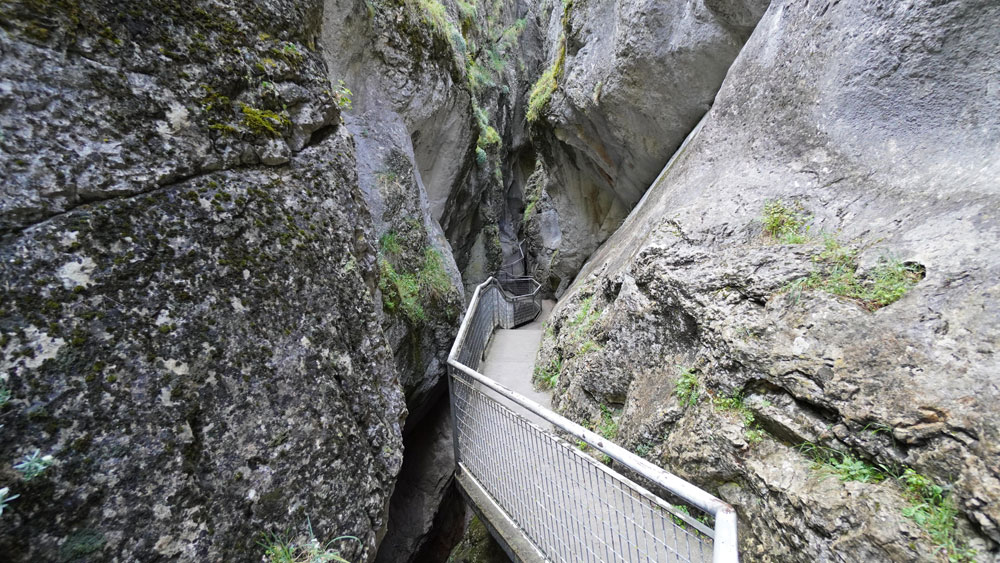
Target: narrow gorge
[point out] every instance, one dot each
(238, 239)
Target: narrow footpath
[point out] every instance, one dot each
(510, 360)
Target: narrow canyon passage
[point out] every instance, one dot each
(236, 239)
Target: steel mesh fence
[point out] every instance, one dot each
(571, 506)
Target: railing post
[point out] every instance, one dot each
(726, 546)
(450, 374)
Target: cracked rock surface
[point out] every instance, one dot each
(189, 323)
(892, 152)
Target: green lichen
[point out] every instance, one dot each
(263, 122)
(80, 544)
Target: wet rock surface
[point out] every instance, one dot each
(828, 122)
(230, 281)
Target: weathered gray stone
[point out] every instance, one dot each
(872, 117)
(637, 77)
(188, 324)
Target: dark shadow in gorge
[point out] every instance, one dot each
(426, 513)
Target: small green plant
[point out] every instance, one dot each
(844, 465)
(589, 346)
(487, 137)
(432, 278)
(687, 389)
(643, 449)
(548, 377)
(342, 96)
(677, 519)
(607, 426)
(785, 223)
(886, 283)
(32, 465)
(389, 243)
(278, 548)
(4, 395)
(584, 318)
(933, 509)
(5, 497)
(487, 133)
(435, 14)
(736, 403)
(467, 10)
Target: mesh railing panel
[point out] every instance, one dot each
(571, 506)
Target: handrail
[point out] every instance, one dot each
(507, 268)
(725, 548)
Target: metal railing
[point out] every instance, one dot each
(568, 505)
(514, 267)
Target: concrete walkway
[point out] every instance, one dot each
(510, 359)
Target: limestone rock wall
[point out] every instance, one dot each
(631, 80)
(188, 321)
(876, 123)
(436, 88)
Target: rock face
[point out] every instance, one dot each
(636, 77)
(876, 124)
(188, 321)
(478, 546)
(433, 89)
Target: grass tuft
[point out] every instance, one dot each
(844, 465)
(607, 426)
(886, 283)
(584, 318)
(548, 377)
(931, 506)
(934, 510)
(278, 548)
(687, 389)
(785, 223)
